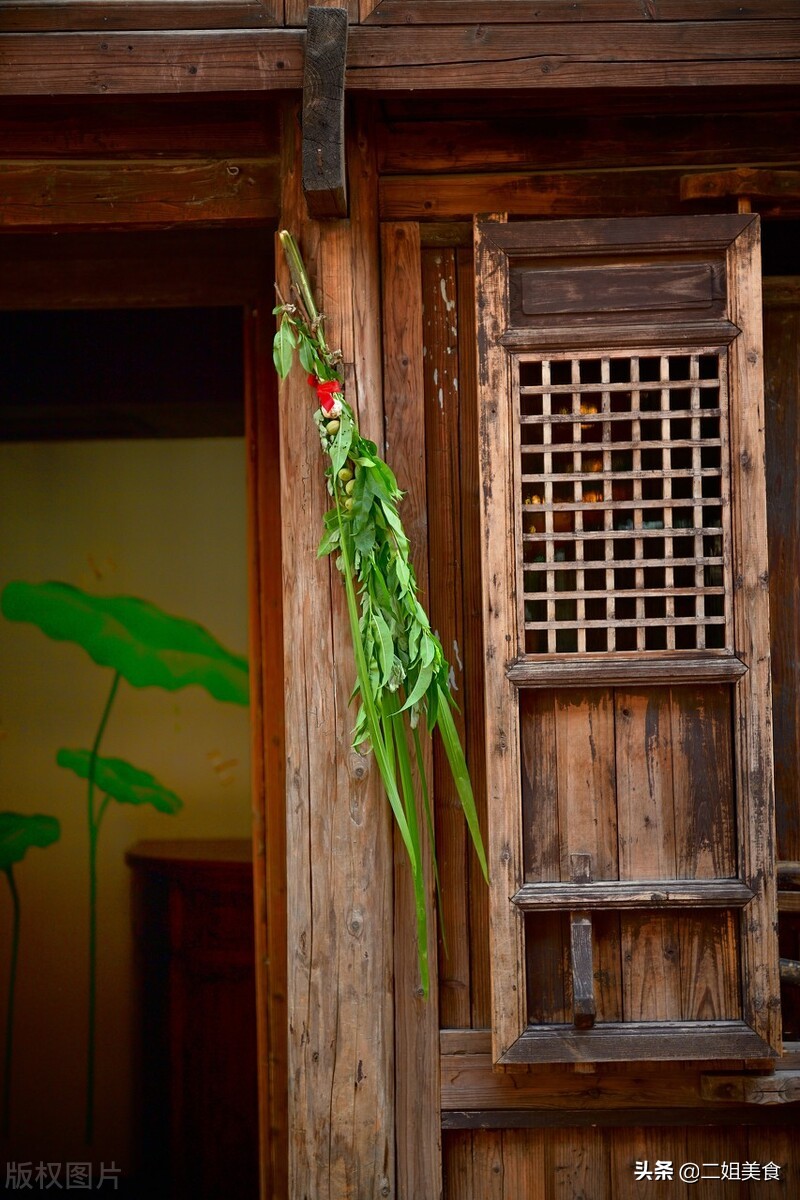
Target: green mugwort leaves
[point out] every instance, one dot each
(401, 669)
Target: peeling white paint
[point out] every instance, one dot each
(449, 304)
(436, 376)
(441, 398)
(457, 655)
(451, 679)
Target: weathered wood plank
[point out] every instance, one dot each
(647, 1145)
(662, 668)
(744, 181)
(341, 1071)
(40, 16)
(753, 694)
(781, 1087)
(655, 893)
(636, 1041)
(782, 396)
(418, 1133)
(523, 1165)
(544, 56)
(442, 408)
(587, 820)
(576, 1163)
(442, 12)
(268, 762)
(515, 141)
(501, 636)
(651, 967)
(471, 648)
(638, 192)
(324, 170)
(92, 193)
(109, 64)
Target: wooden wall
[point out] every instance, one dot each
(566, 162)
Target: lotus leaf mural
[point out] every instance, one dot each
(18, 832)
(147, 647)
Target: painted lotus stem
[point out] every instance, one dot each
(18, 832)
(402, 674)
(148, 648)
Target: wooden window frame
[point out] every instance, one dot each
(737, 238)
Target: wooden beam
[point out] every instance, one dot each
(732, 54)
(339, 841)
(753, 182)
(28, 16)
(418, 1133)
(780, 1087)
(324, 173)
(441, 12)
(154, 193)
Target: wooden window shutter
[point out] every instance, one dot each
(626, 631)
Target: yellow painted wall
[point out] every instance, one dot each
(166, 521)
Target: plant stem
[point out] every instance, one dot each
(12, 981)
(94, 830)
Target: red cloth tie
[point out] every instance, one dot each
(326, 388)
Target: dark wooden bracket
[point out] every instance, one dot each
(324, 171)
(584, 1008)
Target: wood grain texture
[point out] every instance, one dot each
(268, 762)
(782, 396)
(472, 643)
(523, 138)
(69, 194)
(442, 410)
(42, 16)
(663, 669)
(341, 1074)
(745, 181)
(324, 169)
(501, 641)
(418, 1132)
(442, 12)
(753, 694)
(544, 56)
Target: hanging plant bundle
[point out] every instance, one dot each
(402, 673)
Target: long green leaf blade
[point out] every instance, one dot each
(458, 769)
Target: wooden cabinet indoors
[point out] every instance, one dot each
(197, 1111)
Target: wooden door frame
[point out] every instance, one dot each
(134, 269)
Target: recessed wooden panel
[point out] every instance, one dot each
(641, 288)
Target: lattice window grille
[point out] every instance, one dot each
(624, 513)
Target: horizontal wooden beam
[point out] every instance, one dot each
(627, 894)
(423, 12)
(657, 55)
(42, 15)
(562, 1118)
(755, 182)
(780, 1087)
(627, 1041)
(148, 269)
(152, 193)
(617, 671)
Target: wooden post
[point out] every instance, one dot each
(339, 848)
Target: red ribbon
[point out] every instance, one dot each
(326, 389)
